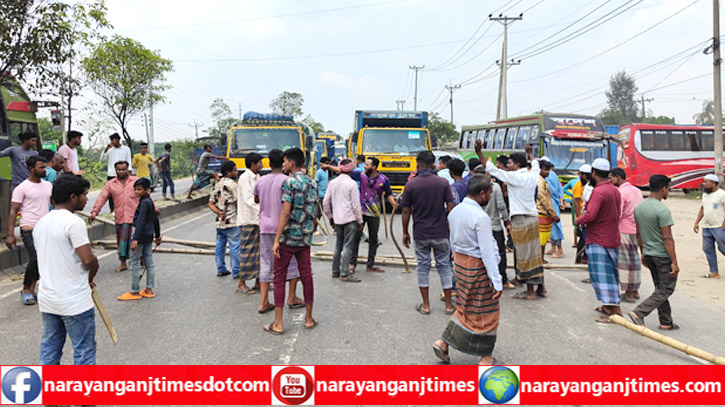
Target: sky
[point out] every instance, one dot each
(344, 56)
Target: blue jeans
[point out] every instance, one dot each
(346, 237)
(710, 236)
(167, 181)
(232, 235)
(442, 252)
(82, 331)
(143, 249)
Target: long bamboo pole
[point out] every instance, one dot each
(397, 246)
(102, 220)
(198, 243)
(385, 218)
(107, 244)
(682, 347)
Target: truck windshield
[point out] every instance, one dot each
(394, 141)
(261, 140)
(569, 155)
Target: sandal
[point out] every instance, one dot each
(420, 309)
(350, 279)
(635, 319)
(129, 296)
(668, 327)
(147, 295)
(713, 276)
(603, 320)
(522, 296)
(269, 307)
(313, 326)
(441, 354)
(268, 328)
(251, 291)
(601, 310)
(28, 298)
(375, 269)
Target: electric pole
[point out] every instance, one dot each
(451, 89)
(416, 69)
(644, 111)
(400, 104)
(501, 111)
(196, 126)
(717, 87)
(150, 132)
(240, 111)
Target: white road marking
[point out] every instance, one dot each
(187, 222)
(566, 280)
(11, 292)
(286, 355)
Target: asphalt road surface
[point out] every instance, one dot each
(198, 318)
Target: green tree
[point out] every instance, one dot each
(47, 131)
(316, 126)
(620, 95)
(33, 37)
(223, 118)
(660, 120)
(444, 130)
(611, 117)
(707, 116)
(288, 103)
(126, 76)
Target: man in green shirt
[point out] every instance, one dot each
(654, 235)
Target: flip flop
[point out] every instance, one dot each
(521, 296)
(542, 295)
(226, 273)
(266, 310)
(129, 296)
(296, 306)
(420, 309)
(447, 312)
(313, 326)
(587, 281)
(601, 310)
(268, 328)
(635, 319)
(603, 320)
(350, 279)
(375, 269)
(668, 327)
(625, 299)
(250, 291)
(441, 354)
(28, 298)
(710, 276)
(147, 295)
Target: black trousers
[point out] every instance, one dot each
(660, 268)
(581, 254)
(31, 270)
(373, 223)
(501, 241)
(110, 198)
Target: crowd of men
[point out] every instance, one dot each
(460, 219)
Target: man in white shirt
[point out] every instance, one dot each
(114, 153)
(472, 329)
(248, 221)
(712, 212)
(67, 266)
(521, 183)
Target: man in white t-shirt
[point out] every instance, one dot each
(712, 212)
(68, 266)
(115, 152)
(32, 199)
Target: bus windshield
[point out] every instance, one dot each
(394, 140)
(569, 155)
(261, 140)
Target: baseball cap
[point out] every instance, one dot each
(586, 168)
(711, 177)
(601, 164)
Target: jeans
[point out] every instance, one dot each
(143, 249)
(167, 181)
(710, 236)
(232, 235)
(80, 328)
(373, 228)
(302, 255)
(442, 252)
(346, 237)
(660, 268)
(501, 241)
(31, 270)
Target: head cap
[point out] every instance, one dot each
(601, 164)
(586, 168)
(711, 177)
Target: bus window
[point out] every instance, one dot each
(500, 133)
(522, 138)
(677, 141)
(534, 134)
(693, 141)
(706, 141)
(624, 134)
(510, 136)
(489, 138)
(469, 139)
(648, 140)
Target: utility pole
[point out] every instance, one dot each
(717, 87)
(150, 129)
(451, 89)
(501, 111)
(240, 111)
(416, 69)
(196, 126)
(146, 124)
(644, 111)
(400, 104)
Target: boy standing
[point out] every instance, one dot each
(223, 202)
(146, 226)
(142, 161)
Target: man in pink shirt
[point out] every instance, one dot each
(601, 218)
(70, 153)
(630, 265)
(125, 202)
(268, 194)
(342, 206)
(32, 198)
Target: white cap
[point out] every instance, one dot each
(586, 168)
(544, 158)
(711, 177)
(601, 164)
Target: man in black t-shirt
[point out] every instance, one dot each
(164, 165)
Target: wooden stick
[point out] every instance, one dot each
(385, 218)
(112, 245)
(397, 246)
(682, 347)
(198, 243)
(322, 225)
(104, 315)
(102, 220)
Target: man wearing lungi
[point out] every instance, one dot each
(547, 214)
(521, 183)
(248, 221)
(472, 329)
(629, 262)
(557, 202)
(125, 202)
(603, 211)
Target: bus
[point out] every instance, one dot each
(685, 153)
(568, 140)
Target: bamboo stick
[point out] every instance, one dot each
(166, 239)
(102, 220)
(682, 347)
(385, 219)
(112, 245)
(397, 246)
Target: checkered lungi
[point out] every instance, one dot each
(266, 272)
(249, 264)
(604, 273)
(630, 265)
(123, 239)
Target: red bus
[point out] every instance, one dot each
(684, 153)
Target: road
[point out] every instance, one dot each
(198, 318)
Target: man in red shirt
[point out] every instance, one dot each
(602, 221)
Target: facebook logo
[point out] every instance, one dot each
(21, 385)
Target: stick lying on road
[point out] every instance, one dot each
(111, 244)
(683, 347)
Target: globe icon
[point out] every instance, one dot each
(498, 384)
